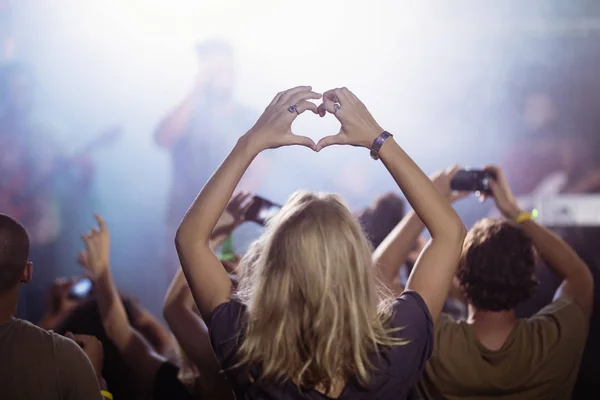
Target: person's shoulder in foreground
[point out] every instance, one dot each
(397, 369)
(540, 356)
(43, 364)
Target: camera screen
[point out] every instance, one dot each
(82, 288)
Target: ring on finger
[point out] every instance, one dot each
(293, 109)
(336, 108)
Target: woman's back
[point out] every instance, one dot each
(396, 368)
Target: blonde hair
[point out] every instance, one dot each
(314, 309)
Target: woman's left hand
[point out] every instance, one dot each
(274, 127)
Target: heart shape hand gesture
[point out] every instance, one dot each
(274, 127)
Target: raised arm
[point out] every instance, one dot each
(187, 326)
(433, 273)
(204, 272)
(154, 331)
(135, 350)
(185, 323)
(578, 282)
(174, 125)
(393, 252)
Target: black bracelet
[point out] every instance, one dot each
(377, 143)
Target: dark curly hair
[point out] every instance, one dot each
(496, 270)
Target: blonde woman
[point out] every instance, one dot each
(308, 320)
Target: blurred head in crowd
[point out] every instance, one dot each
(496, 271)
(382, 217)
(16, 89)
(14, 265)
(307, 282)
(216, 60)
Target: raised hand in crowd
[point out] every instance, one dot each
(96, 257)
(58, 302)
(397, 247)
(155, 375)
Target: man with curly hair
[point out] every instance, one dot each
(494, 354)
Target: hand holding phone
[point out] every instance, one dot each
(261, 210)
(81, 289)
(472, 180)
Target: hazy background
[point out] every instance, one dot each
(444, 77)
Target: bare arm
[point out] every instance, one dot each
(189, 328)
(204, 272)
(436, 267)
(432, 275)
(178, 309)
(578, 282)
(393, 252)
(129, 342)
(157, 334)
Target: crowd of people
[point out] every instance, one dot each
(325, 304)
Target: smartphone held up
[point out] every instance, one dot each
(261, 210)
(81, 289)
(472, 180)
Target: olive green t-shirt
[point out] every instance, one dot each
(539, 360)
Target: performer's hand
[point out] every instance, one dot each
(359, 128)
(502, 194)
(96, 258)
(442, 180)
(274, 127)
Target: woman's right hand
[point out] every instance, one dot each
(359, 128)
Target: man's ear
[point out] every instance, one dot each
(27, 273)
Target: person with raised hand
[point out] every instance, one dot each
(308, 319)
(495, 354)
(156, 376)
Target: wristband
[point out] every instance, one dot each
(522, 217)
(106, 395)
(377, 143)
